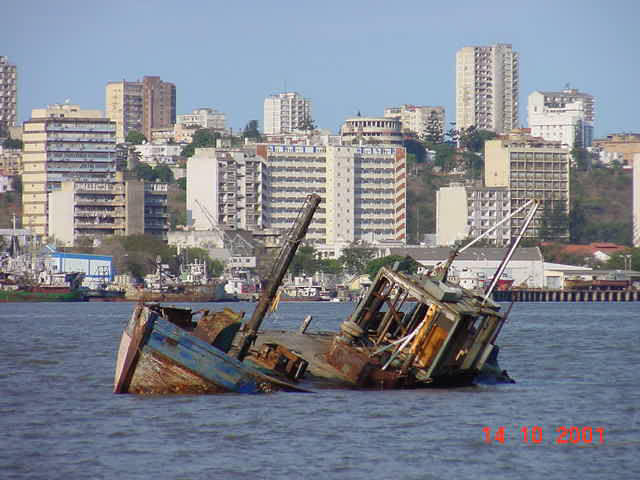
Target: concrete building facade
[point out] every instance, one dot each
(63, 142)
(363, 190)
(371, 130)
(417, 120)
(564, 116)
(10, 161)
(8, 96)
(530, 168)
(159, 153)
(468, 211)
(124, 106)
(225, 187)
(203, 118)
(286, 113)
(99, 209)
(618, 146)
(141, 106)
(487, 88)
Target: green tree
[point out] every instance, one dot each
(416, 148)
(163, 173)
(215, 267)
(330, 265)
(137, 254)
(11, 143)
(251, 130)
(405, 264)
(304, 261)
(554, 222)
(136, 138)
(577, 223)
(144, 171)
(308, 125)
(177, 217)
(474, 164)
(182, 183)
(433, 130)
(446, 156)
(356, 257)
(620, 261)
(581, 156)
(202, 138)
(473, 139)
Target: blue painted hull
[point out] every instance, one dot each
(159, 357)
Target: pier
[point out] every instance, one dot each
(539, 295)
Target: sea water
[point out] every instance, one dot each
(573, 413)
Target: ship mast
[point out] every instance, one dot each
(278, 270)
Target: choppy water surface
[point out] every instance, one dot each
(575, 364)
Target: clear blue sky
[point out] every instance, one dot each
(345, 56)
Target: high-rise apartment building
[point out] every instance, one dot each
(8, 96)
(140, 106)
(363, 190)
(123, 105)
(564, 116)
(158, 103)
(63, 142)
(530, 168)
(100, 209)
(418, 120)
(225, 188)
(469, 211)
(487, 88)
(286, 113)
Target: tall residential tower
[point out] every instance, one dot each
(140, 106)
(8, 96)
(286, 113)
(62, 143)
(487, 88)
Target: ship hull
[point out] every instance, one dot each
(157, 357)
(40, 296)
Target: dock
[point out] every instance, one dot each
(542, 295)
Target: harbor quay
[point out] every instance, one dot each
(544, 295)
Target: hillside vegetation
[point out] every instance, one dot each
(601, 201)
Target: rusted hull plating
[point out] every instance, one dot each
(157, 356)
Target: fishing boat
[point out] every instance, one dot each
(48, 287)
(406, 332)
(164, 350)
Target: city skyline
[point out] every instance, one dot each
(345, 60)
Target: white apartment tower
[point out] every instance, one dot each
(224, 189)
(487, 88)
(8, 96)
(564, 116)
(61, 143)
(286, 113)
(363, 190)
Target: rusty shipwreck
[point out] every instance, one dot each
(406, 332)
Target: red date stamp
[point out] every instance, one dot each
(535, 434)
